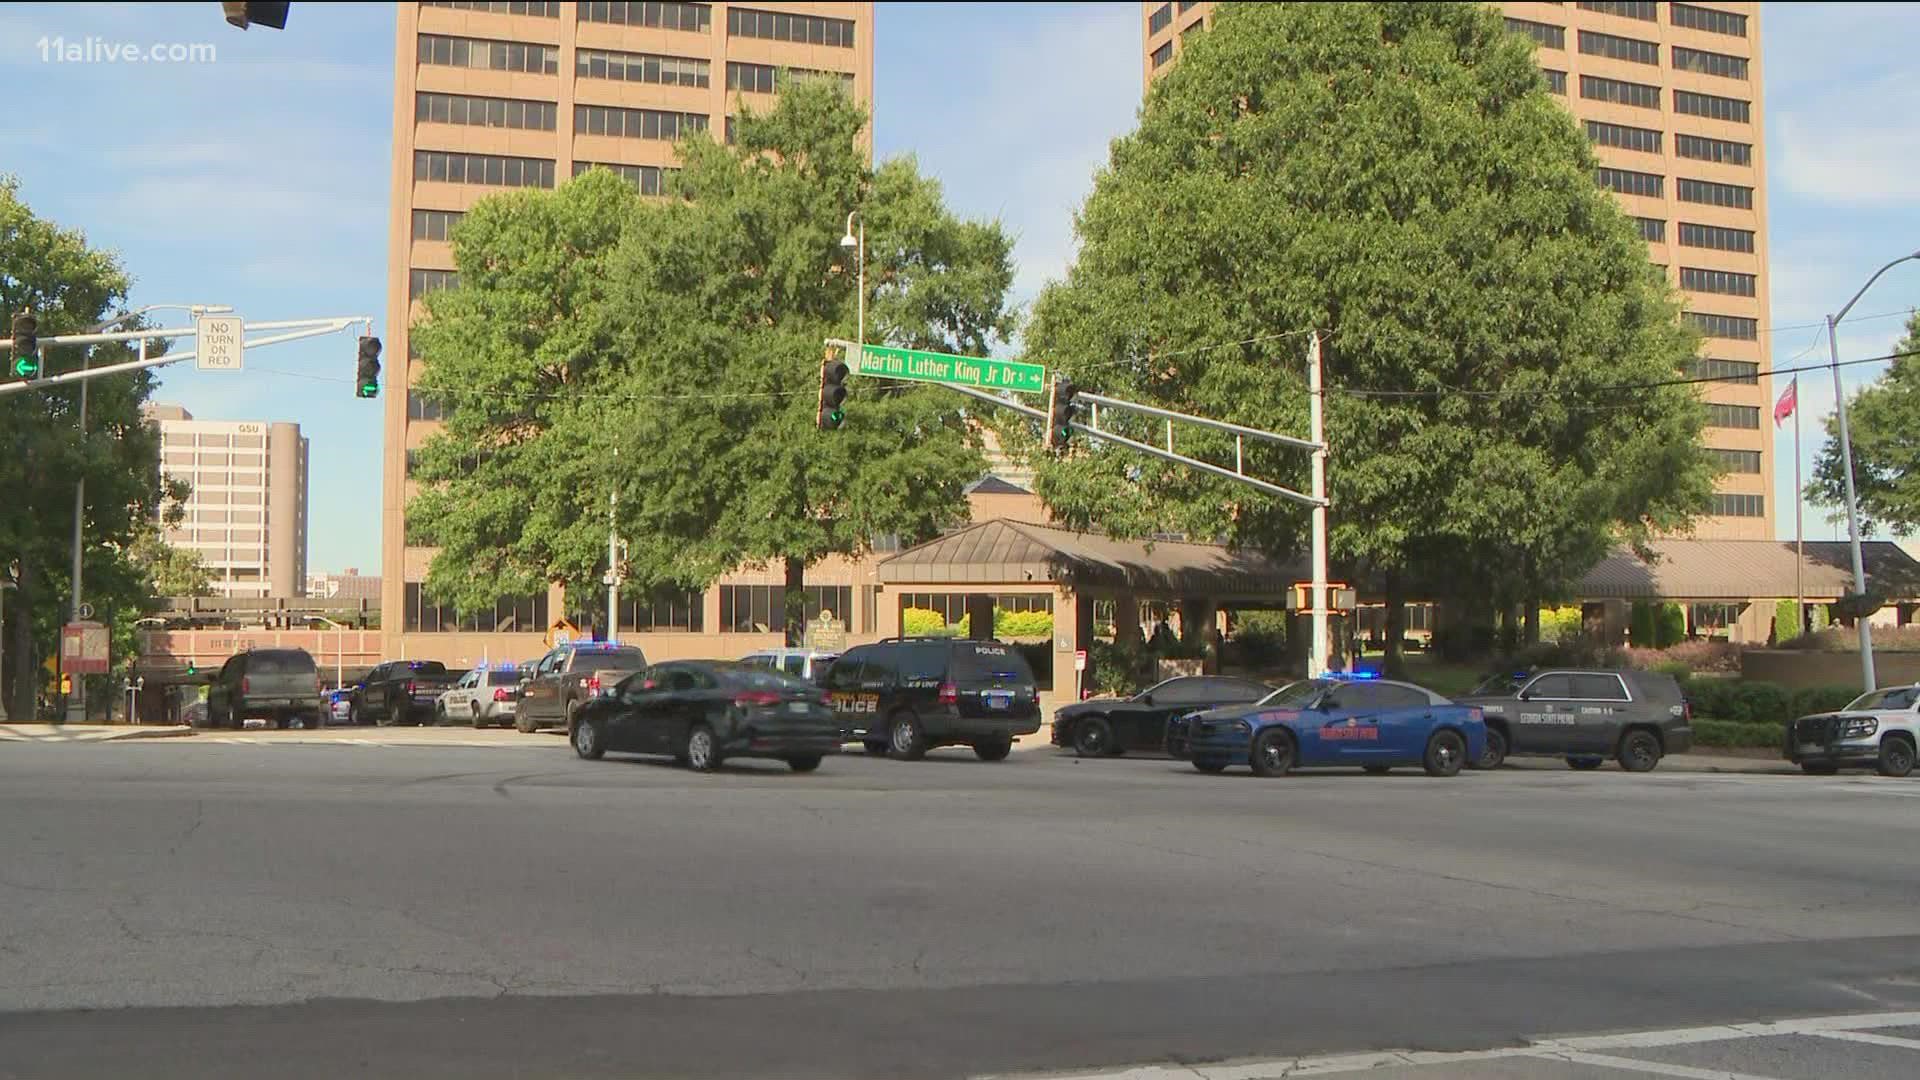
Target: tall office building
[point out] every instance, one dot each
(490, 97)
(247, 515)
(1670, 96)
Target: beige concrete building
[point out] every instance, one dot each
(489, 97)
(1670, 95)
(247, 516)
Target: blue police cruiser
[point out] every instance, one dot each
(1359, 719)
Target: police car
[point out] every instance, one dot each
(1358, 720)
(905, 696)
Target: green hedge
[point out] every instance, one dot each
(924, 622)
(1011, 625)
(1732, 733)
(1740, 701)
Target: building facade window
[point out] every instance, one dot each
(759, 609)
(695, 18)
(1732, 327)
(1725, 505)
(648, 179)
(1725, 282)
(1701, 148)
(434, 224)
(765, 78)
(1556, 81)
(1547, 35)
(1161, 18)
(950, 607)
(665, 613)
(1709, 63)
(1715, 237)
(1162, 54)
(642, 68)
(1194, 27)
(1622, 137)
(1646, 12)
(422, 282)
(1639, 95)
(429, 108)
(1712, 106)
(1620, 48)
(1709, 19)
(522, 615)
(516, 7)
(420, 406)
(1735, 461)
(781, 26)
(1745, 372)
(1742, 417)
(489, 55)
(1712, 194)
(1652, 229)
(1628, 182)
(491, 170)
(635, 123)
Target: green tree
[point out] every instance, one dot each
(168, 570)
(675, 352)
(1396, 176)
(69, 287)
(1886, 448)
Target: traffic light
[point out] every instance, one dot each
(193, 668)
(244, 15)
(26, 346)
(367, 379)
(66, 684)
(1061, 406)
(833, 391)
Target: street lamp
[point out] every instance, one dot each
(339, 649)
(859, 247)
(9, 579)
(1846, 463)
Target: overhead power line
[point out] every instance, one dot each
(1558, 391)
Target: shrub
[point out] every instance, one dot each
(1011, 625)
(1709, 697)
(1705, 655)
(1261, 637)
(1640, 625)
(1760, 702)
(1786, 622)
(924, 622)
(1847, 639)
(1820, 699)
(1681, 673)
(1118, 670)
(1732, 733)
(1561, 624)
(1670, 626)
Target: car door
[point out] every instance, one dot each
(1600, 704)
(370, 691)
(542, 699)
(843, 690)
(1543, 714)
(220, 691)
(1142, 725)
(630, 726)
(1348, 732)
(1404, 720)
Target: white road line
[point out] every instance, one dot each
(1656, 1068)
(1869, 1038)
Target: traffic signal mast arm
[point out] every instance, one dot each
(297, 329)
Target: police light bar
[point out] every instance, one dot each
(1350, 676)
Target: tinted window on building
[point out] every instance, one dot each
(1652, 230)
(1734, 327)
(1726, 282)
(1701, 148)
(1736, 461)
(1556, 81)
(1725, 505)
(1163, 54)
(781, 26)
(642, 68)
(497, 7)
(1639, 95)
(1628, 182)
(1712, 194)
(1741, 417)
(1712, 106)
(1744, 372)
(1620, 136)
(1646, 11)
(1709, 63)
(648, 179)
(694, 18)
(488, 55)
(430, 108)
(1708, 19)
(1620, 48)
(1717, 237)
(1162, 16)
(1547, 35)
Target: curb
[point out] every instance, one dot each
(57, 734)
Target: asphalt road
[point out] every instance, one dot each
(202, 909)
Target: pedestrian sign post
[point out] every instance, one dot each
(219, 345)
(919, 365)
(84, 649)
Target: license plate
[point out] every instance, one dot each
(797, 707)
(998, 701)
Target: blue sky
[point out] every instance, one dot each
(261, 179)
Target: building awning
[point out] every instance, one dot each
(1014, 552)
(1740, 570)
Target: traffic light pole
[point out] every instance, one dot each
(297, 330)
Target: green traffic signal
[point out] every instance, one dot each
(367, 369)
(26, 346)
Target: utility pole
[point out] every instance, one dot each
(613, 553)
(1319, 653)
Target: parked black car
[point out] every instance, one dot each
(909, 695)
(702, 712)
(1109, 727)
(1586, 716)
(400, 692)
(281, 685)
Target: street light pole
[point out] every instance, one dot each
(339, 649)
(1846, 472)
(859, 247)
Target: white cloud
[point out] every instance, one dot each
(1831, 149)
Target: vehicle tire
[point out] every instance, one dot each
(803, 762)
(1496, 752)
(905, 739)
(353, 716)
(523, 723)
(313, 721)
(1093, 737)
(1819, 768)
(1377, 770)
(1273, 752)
(478, 720)
(282, 721)
(1446, 754)
(396, 714)
(876, 747)
(1585, 764)
(588, 740)
(1210, 765)
(703, 749)
(1639, 751)
(1896, 756)
(993, 749)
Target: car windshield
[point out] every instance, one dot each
(279, 663)
(611, 659)
(985, 662)
(1501, 683)
(1294, 694)
(1893, 697)
(753, 678)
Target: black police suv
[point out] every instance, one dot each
(908, 695)
(1109, 727)
(701, 712)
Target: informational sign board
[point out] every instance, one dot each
(84, 648)
(826, 634)
(920, 365)
(1080, 660)
(218, 345)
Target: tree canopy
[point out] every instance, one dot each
(1886, 446)
(1397, 177)
(669, 352)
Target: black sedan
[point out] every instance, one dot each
(1108, 727)
(701, 712)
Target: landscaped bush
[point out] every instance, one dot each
(925, 622)
(1732, 733)
(1561, 624)
(1640, 625)
(1786, 621)
(1847, 639)
(1118, 670)
(1820, 699)
(1670, 626)
(1260, 637)
(1690, 656)
(1012, 625)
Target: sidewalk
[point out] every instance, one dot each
(87, 732)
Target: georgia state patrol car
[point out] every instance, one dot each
(1355, 720)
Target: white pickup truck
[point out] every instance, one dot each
(1880, 728)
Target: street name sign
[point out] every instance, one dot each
(920, 365)
(218, 345)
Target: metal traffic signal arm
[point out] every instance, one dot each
(296, 330)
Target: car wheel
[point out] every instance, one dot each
(587, 740)
(313, 721)
(1496, 752)
(353, 716)
(906, 739)
(478, 720)
(1585, 764)
(994, 749)
(803, 762)
(1896, 756)
(1639, 751)
(876, 747)
(1446, 753)
(1210, 765)
(1093, 737)
(396, 714)
(1273, 752)
(1377, 770)
(523, 723)
(1819, 768)
(703, 750)
(282, 722)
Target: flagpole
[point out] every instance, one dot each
(1799, 533)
